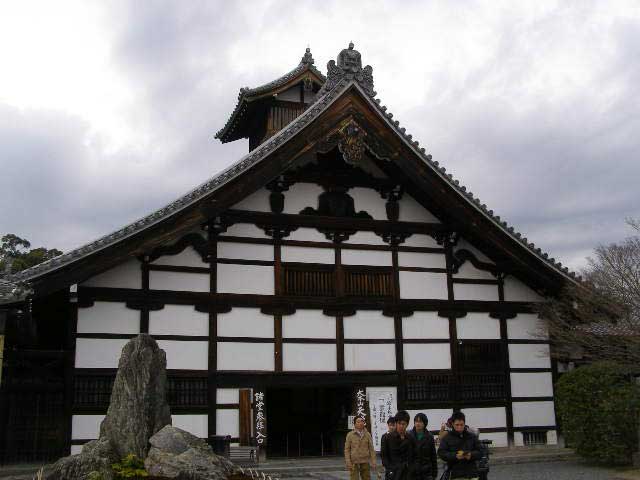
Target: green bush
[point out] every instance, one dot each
(599, 407)
(130, 467)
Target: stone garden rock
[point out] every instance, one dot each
(96, 456)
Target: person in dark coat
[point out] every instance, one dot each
(425, 466)
(385, 454)
(460, 449)
(401, 447)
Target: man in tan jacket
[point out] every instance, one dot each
(359, 452)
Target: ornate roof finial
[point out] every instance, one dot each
(349, 66)
(307, 59)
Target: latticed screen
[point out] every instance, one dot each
(446, 387)
(359, 282)
(315, 280)
(480, 356)
(538, 437)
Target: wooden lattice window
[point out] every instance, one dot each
(477, 356)
(535, 437)
(429, 387)
(441, 387)
(309, 280)
(368, 281)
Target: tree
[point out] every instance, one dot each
(15, 254)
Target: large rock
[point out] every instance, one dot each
(138, 407)
(96, 456)
(179, 455)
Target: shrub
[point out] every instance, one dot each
(599, 408)
(130, 467)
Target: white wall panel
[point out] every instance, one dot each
(108, 317)
(552, 437)
(366, 257)
(85, 427)
(245, 356)
(518, 439)
(369, 200)
(246, 251)
(308, 324)
(303, 357)
(308, 255)
(436, 417)
(494, 417)
(425, 325)
(178, 320)
(189, 257)
(257, 201)
(427, 356)
(248, 279)
(526, 326)
(188, 282)
(247, 230)
(464, 244)
(187, 355)
(228, 395)
(368, 238)
(307, 234)
(412, 211)
(423, 241)
(369, 356)
(500, 439)
(466, 291)
(125, 275)
(368, 324)
(423, 285)
(290, 95)
(197, 425)
(531, 414)
(467, 270)
(424, 260)
(300, 196)
(98, 352)
(532, 384)
(529, 356)
(228, 422)
(245, 322)
(516, 291)
(478, 326)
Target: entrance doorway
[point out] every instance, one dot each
(307, 421)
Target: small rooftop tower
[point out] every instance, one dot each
(263, 111)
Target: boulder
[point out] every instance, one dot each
(96, 456)
(179, 455)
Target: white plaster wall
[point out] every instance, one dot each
(427, 356)
(529, 356)
(423, 241)
(423, 285)
(530, 414)
(197, 425)
(412, 211)
(98, 352)
(178, 320)
(466, 291)
(290, 95)
(257, 202)
(125, 275)
(516, 291)
(246, 230)
(436, 417)
(300, 196)
(308, 324)
(189, 257)
(464, 244)
(424, 260)
(298, 357)
(532, 384)
(248, 279)
(245, 356)
(187, 355)
(425, 325)
(478, 326)
(245, 322)
(369, 200)
(245, 251)
(368, 238)
(467, 270)
(228, 422)
(308, 255)
(518, 439)
(108, 317)
(500, 439)
(368, 324)
(189, 282)
(526, 326)
(85, 427)
(308, 235)
(366, 257)
(369, 356)
(227, 395)
(494, 417)
(552, 437)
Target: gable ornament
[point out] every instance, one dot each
(349, 67)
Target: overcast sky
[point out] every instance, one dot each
(108, 109)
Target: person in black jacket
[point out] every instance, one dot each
(384, 447)
(460, 449)
(425, 466)
(401, 448)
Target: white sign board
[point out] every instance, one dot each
(382, 405)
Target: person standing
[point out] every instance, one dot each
(426, 461)
(401, 448)
(385, 454)
(460, 449)
(359, 453)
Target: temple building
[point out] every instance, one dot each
(333, 269)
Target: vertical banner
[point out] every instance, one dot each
(260, 420)
(382, 405)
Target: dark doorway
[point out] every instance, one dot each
(307, 421)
